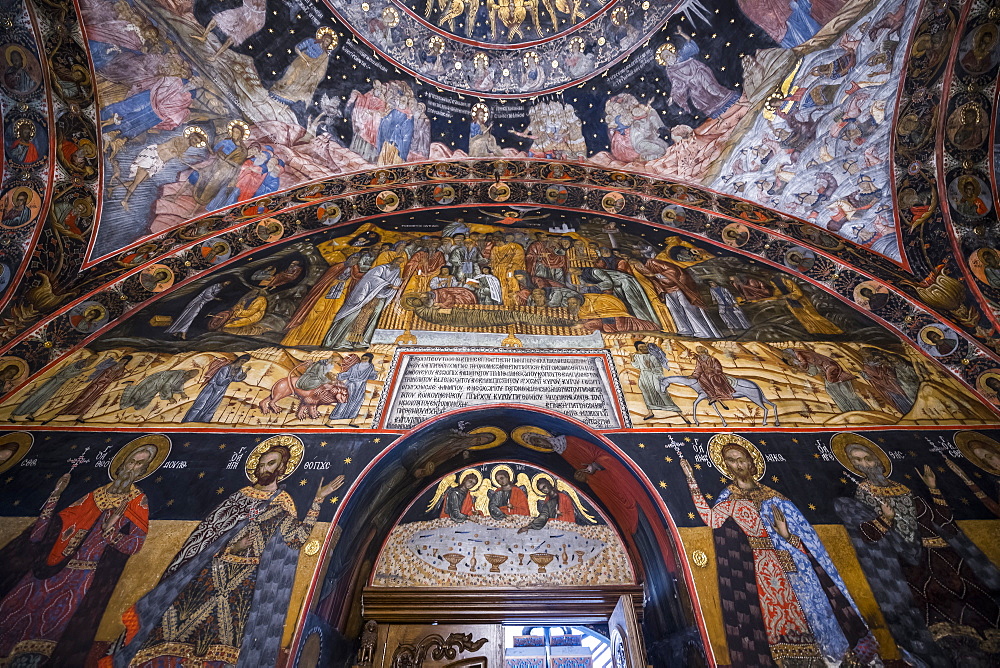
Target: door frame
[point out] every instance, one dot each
(547, 606)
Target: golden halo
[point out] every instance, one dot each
(497, 469)
(481, 59)
(11, 48)
(159, 441)
(293, 443)
(472, 472)
(480, 109)
(964, 441)
(926, 330)
(24, 121)
(23, 440)
(436, 45)
(243, 126)
(577, 43)
(519, 432)
(94, 306)
(16, 361)
(719, 441)
(664, 48)
(840, 442)
(538, 477)
(619, 16)
(531, 55)
(327, 30)
(194, 129)
(981, 382)
(499, 437)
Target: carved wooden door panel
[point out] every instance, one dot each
(626, 636)
(439, 646)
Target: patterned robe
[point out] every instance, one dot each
(783, 601)
(217, 602)
(68, 568)
(939, 594)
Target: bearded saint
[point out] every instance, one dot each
(224, 596)
(939, 594)
(60, 573)
(783, 601)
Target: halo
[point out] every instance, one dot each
(24, 441)
(840, 442)
(24, 121)
(499, 437)
(519, 432)
(538, 477)
(499, 192)
(531, 55)
(389, 201)
(24, 53)
(481, 58)
(981, 382)
(481, 109)
(329, 214)
(16, 361)
(926, 330)
(93, 306)
(667, 47)
(472, 472)
(964, 441)
(162, 444)
(327, 30)
(719, 441)
(242, 124)
(391, 17)
(149, 274)
(194, 129)
(577, 43)
(293, 443)
(497, 469)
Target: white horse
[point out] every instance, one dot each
(742, 389)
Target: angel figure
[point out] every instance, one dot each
(515, 214)
(508, 498)
(555, 502)
(462, 497)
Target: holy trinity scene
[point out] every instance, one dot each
(893, 579)
(502, 525)
(200, 109)
(306, 335)
(212, 592)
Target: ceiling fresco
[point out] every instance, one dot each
(802, 113)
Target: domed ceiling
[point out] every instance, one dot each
(848, 142)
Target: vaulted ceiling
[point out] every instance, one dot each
(138, 133)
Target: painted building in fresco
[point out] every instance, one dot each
(308, 306)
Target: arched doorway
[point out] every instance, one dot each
(538, 440)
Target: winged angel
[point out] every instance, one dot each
(468, 495)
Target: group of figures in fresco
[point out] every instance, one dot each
(786, 598)
(216, 602)
(301, 331)
(937, 592)
(193, 120)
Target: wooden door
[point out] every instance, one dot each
(439, 646)
(626, 635)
